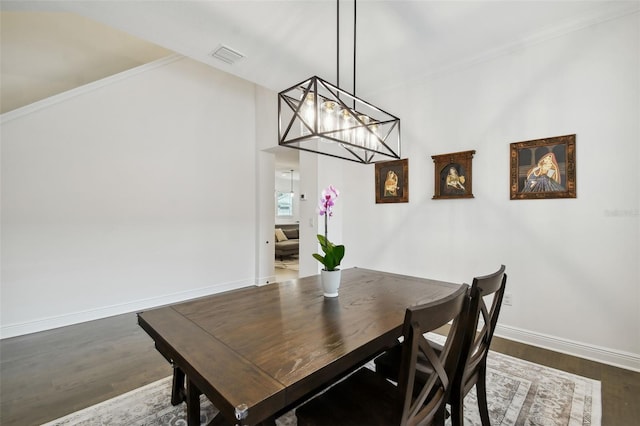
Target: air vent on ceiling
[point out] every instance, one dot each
(227, 54)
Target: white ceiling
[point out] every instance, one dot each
(287, 41)
(47, 53)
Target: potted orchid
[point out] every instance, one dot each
(333, 254)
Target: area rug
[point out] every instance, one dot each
(519, 393)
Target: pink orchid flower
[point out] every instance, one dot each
(333, 254)
(327, 201)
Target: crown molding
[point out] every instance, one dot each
(90, 87)
(615, 10)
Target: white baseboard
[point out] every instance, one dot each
(42, 324)
(603, 355)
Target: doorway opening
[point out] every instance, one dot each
(287, 214)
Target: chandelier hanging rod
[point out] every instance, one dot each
(355, 16)
(338, 43)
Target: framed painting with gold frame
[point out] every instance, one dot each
(543, 168)
(453, 175)
(392, 181)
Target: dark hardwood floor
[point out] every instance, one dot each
(50, 374)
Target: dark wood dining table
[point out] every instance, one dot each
(258, 351)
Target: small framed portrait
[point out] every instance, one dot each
(543, 168)
(453, 178)
(392, 181)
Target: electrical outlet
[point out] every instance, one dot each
(508, 299)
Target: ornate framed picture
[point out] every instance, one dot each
(453, 177)
(392, 181)
(544, 168)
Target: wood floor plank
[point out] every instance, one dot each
(50, 374)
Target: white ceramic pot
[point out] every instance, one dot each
(330, 282)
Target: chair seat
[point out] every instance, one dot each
(352, 395)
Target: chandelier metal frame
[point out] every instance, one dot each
(317, 116)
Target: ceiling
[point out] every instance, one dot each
(51, 46)
(47, 53)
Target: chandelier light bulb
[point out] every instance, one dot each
(345, 125)
(328, 116)
(308, 113)
(361, 132)
(373, 136)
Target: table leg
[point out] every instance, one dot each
(177, 390)
(193, 404)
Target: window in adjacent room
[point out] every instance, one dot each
(284, 204)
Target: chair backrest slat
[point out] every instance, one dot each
(482, 287)
(422, 402)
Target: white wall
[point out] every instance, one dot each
(129, 193)
(573, 264)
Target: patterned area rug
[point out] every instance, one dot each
(519, 393)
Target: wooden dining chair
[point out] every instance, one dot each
(472, 368)
(366, 398)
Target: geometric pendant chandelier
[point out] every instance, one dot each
(319, 117)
